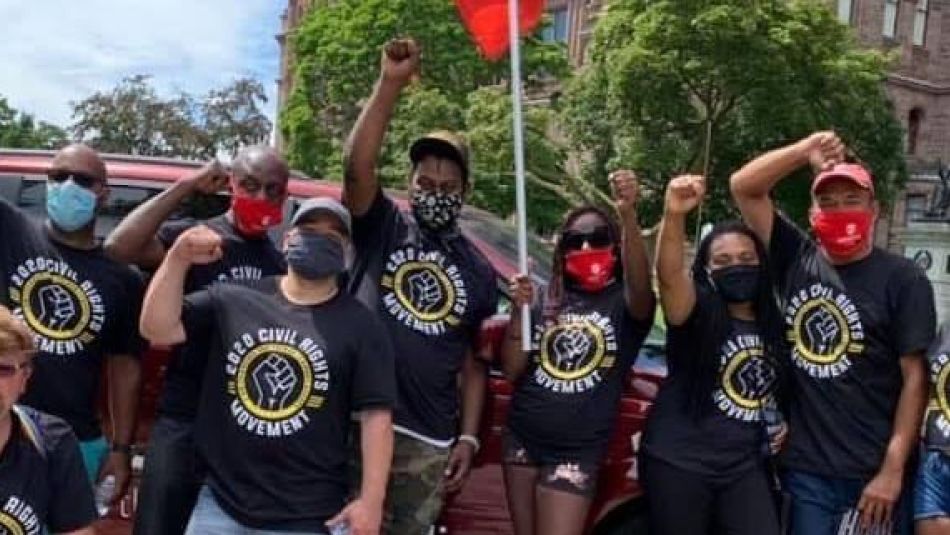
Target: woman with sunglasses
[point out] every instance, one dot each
(703, 459)
(588, 325)
(42, 478)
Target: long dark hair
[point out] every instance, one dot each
(715, 321)
(554, 297)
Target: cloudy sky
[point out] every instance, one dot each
(55, 51)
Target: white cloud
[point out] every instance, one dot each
(57, 51)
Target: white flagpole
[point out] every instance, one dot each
(518, 129)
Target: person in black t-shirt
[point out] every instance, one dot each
(81, 307)
(588, 327)
(702, 461)
(258, 177)
(431, 288)
(43, 484)
(932, 490)
(290, 359)
(859, 320)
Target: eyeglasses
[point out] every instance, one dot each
(596, 238)
(9, 370)
(81, 179)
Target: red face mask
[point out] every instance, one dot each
(253, 217)
(590, 269)
(842, 234)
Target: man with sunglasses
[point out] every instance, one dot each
(258, 180)
(431, 288)
(42, 480)
(81, 307)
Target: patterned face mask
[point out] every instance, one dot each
(436, 210)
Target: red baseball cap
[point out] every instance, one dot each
(852, 172)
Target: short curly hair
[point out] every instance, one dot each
(14, 335)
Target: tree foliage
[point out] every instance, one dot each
(21, 131)
(760, 73)
(132, 118)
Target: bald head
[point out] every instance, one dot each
(260, 171)
(79, 158)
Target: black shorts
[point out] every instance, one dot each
(575, 475)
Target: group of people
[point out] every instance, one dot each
(333, 381)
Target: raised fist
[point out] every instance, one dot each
(198, 245)
(521, 290)
(625, 189)
(400, 61)
(211, 178)
(274, 379)
(684, 193)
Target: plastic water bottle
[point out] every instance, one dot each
(104, 492)
(340, 529)
(773, 423)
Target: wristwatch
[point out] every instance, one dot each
(471, 439)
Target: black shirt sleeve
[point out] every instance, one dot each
(170, 230)
(915, 317)
(374, 374)
(379, 219)
(125, 338)
(785, 245)
(198, 315)
(71, 504)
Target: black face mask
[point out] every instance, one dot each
(314, 256)
(736, 284)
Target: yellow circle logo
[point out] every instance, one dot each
(10, 526)
(274, 381)
(424, 290)
(55, 306)
(821, 332)
(747, 379)
(942, 387)
(571, 351)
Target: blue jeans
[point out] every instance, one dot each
(209, 519)
(818, 503)
(932, 491)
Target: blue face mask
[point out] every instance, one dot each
(69, 206)
(314, 256)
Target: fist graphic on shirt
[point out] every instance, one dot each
(822, 330)
(56, 306)
(425, 291)
(274, 379)
(570, 346)
(754, 379)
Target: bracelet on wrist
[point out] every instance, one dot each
(470, 439)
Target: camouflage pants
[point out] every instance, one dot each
(414, 494)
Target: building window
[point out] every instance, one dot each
(890, 18)
(846, 11)
(914, 118)
(558, 29)
(915, 207)
(920, 22)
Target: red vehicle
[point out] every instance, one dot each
(481, 507)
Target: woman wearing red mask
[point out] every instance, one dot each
(588, 325)
(704, 453)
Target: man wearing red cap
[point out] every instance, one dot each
(859, 320)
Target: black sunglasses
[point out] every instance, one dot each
(9, 370)
(596, 238)
(81, 179)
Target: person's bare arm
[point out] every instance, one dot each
(125, 381)
(752, 185)
(88, 530)
(881, 494)
(641, 303)
(474, 387)
(161, 321)
(677, 290)
(363, 516)
(399, 64)
(134, 240)
(514, 360)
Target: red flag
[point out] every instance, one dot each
(487, 21)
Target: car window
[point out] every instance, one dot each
(503, 237)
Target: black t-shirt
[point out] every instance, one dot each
(848, 327)
(281, 383)
(80, 306)
(243, 259)
(937, 429)
(724, 438)
(565, 404)
(43, 484)
(432, 293)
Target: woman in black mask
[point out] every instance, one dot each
(703, 459)
(588, 325)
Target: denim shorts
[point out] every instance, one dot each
(932, 490)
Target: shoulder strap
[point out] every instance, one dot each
(28, 419)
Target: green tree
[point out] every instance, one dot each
(21, 131)
(132, 118)
(760, 74)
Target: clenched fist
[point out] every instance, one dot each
(198, 245)
(824, 150)
(684, 193)
(400, 61)
(625, 189)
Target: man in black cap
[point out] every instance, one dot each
(431, 288)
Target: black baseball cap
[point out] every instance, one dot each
(443, 144)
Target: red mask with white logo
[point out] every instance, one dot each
(253, 217)
(591, 269)
(842, 234)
